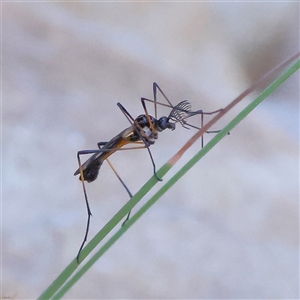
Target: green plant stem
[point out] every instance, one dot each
(62, 283)
(176, 177)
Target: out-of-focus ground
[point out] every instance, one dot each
(229, 228)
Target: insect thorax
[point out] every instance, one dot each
(144, 125)
(158, 124)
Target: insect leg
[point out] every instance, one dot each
(124, 185)
(155, 88)
(202, 123)
(190, 114)
(120, 179)
(140, 132)
(81, 176)
(155, 102)
(148, 117)
(154, 131)
(133, 122)
(85, 198)
(126, 113)
(202, 113)
(153, 163)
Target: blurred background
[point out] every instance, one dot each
(229, 228)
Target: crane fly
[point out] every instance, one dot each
(142, 133)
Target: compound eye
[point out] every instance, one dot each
(163, 123)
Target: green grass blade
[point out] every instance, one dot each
(166, 186)
(114, 221)
(62, 283)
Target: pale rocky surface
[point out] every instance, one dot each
(229, 228)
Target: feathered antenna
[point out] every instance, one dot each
(180, 112)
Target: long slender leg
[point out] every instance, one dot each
(126, 113)
(86, 202)
(154, 166)
(134, 123)
(120, 179)
(154, 131)
(155, 88)
(140, 131)
(202, 123)
(202, 113)
(83, 152)
(124, 185)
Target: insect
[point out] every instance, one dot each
(142, 133)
